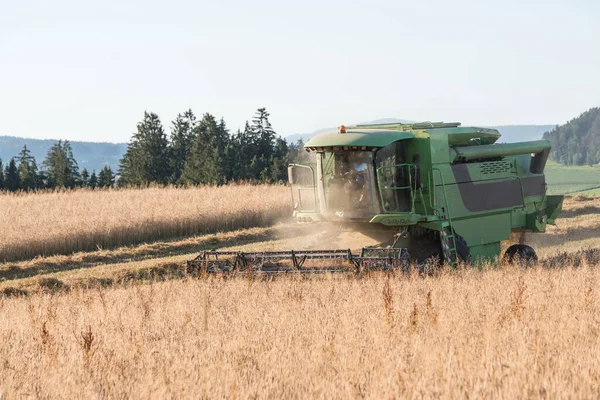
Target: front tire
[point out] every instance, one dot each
(520, 253)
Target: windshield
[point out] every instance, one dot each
(348, 178)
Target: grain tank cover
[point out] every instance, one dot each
(470, 136)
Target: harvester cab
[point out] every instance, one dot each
(425, 191)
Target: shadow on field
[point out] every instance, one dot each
(19, 270)
(580, 211)
(576, 259)
(564, 236)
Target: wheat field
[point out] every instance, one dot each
(130, 323)
(502, 333)
(63, 222)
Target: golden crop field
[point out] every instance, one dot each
(63, 222)
(504, 333)
(130, 323)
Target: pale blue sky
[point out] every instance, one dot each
(87, 70)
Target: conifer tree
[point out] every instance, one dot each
(84, 178)
(42, 179)
(203, 165)
(182, 138)
(297, 154)
(147, 159)
(226, 150)
(106, 177)
(245, 151)
(1, 176)
(279, 161)
(11, 176)
(93, 182)
(264, 137)
(61, 167)
(28, 173)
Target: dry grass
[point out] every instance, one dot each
(83, 220)
(504, 333)
(90, 329)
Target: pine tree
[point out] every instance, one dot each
(279, 161)
(222, 136)
(147, 159)
(182, 138)
(204, 163)
(264, 137)
(106, 177)
(297, 154)
(84, 180)
(93, 182)
(1, 176)
(11, 176)
(225, 151)
(61, 167)
(101, 178)
(42, 179)
(245, 149)
(229, 160)
(28, 172)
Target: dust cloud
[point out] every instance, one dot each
(328, 236)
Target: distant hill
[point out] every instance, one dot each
(510, 133)
(578, 141)
(89, 155)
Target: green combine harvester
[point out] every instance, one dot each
(434, 190)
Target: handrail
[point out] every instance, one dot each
(447, 213)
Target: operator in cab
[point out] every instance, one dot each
(356, 186)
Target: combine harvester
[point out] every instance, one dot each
(429, 189)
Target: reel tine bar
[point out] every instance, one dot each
(271, 262)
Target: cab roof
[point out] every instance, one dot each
(371, 137)
(366, 138)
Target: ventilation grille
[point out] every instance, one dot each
(496, 167)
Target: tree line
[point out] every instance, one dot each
(578, 141)
(196, 151)
(204, 151)
(58, 170)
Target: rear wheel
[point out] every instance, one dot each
(520, 253)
